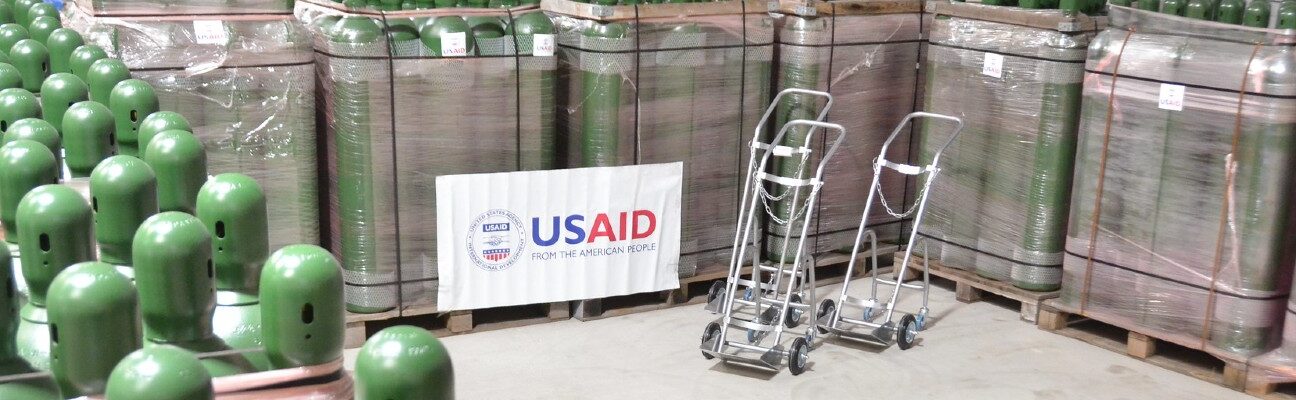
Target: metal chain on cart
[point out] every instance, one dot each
(766, 198)
(923, 193)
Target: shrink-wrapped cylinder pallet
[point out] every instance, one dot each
(672, 82)
(398, 113)
(1180, 220)
(248, 93)
(868, 63)
(1000, 205)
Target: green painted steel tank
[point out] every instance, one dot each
(1256, 14)
(103, 76)
(1200, 9)
(1174, 7)
(24, 165)
(94, 323)
(87, 136)
(233, 209)
(404, 363)
(540, 83)
(32, 60)
(432, 33)
(180, 162)
(303, 313)
(54, 232)
(82, 58)
(160, 373)
(123, 193)
(131, 101)
(62, 42)
(601, 109)
(17, 104)
(60, 91)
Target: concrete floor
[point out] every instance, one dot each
(971, 351)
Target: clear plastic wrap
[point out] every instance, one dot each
(674, 86)
(1000, 206)
(868, 63)
(208, 9)
(1180, 220)
(397, 116)
(250, 99)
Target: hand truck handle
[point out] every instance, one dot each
(828, 126)
(760, 126)
(922, 114)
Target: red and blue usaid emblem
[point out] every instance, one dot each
(496, 240)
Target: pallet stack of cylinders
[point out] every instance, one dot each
(243, 83)
(657, 83)
(864, 53)
(408, 93)
(1000, 205)
(1180, 221)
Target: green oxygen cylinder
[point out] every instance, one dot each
(1122, 3)
(1256, 14)
(448, 30)
(82, 58)
(487, 27)
(32, 60)
(10, 78)
(1038, 4)
(60, 91)
(537, 83)
(54, 232)
(1200, 9)
(24, 165)
(999, 2)
(401, 29)
(357, 236)
(800, 70)
(94, 323)
(40, 9)
(180, 161)
(10, 34)
(103, 76)
(17, 104)
(130, 101)
(41, 28)
(123, 192)
(403, 363)
(233, 209)
(6, 13)
(160, 373)
(40, 131)
(10, 301)
(87, 136)
(303, 313)
(1230, 11)
(158, 122)
(601, 107)
(172, 255)
(1148, 5)
(1286, 15)
(1173, 7)
(61, 43)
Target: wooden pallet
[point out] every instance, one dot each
(1264, 380)
(360, 326)
(970, 287)
(1179, 354)
(831, 267)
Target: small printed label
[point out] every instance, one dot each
(542, 45)
(210, 32)
(993, 65)
(1172, 97)
(454, 44)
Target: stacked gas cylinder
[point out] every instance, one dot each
(655, 83)
(1180, 219)
(130, 273)
(412, 91)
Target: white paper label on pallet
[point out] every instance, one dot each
(993, 65)
(210, 32)
(542, 45)
(454, 44)
(1172, 97)
(532, 237)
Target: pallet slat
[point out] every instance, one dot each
(969, 287)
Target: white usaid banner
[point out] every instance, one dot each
(544, 236)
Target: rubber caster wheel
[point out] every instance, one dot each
(711, 332)
(907, 332)
(794, 314)
(921, 319)
(799, 354)
(717, 289)
(747, 294)
(826, 308)
(868, 314)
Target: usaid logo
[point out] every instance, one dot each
(496, 240)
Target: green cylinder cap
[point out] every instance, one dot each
(10, 34)
(1286, 15)
(16, 104)
(131, 101)
(94, 323)
(302, 310)
(233, 208)
(1230, 11)
(180, 162)
(32, 60)
(176, 279)
(103, 76)
(486, 27)
(352, 29)
(41, 27)
(60, 91)
(61, 43)
(41, 9)
(401, 29)
(10, 78)
(82, 58)
(87, 136)
(24, 165)
(54, 232)
(123, 192)
(1200, 9)
(6, 13)
(160, 121)
(531, 24)
(40, 131)
(160, 373)
(22, 9)
(403, 362)
(1173, 7)
(432, 34)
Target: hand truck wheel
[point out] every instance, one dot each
(712, 330)
(797, 356)
(826, 308)
(717, 289)
(747, 294)
(794, 315)
(907, 332)
(868, 314)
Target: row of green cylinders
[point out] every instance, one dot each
(1238, 12)
(395, 5)
(181, 257)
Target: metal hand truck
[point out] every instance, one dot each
(771, 306)
(830, 318)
